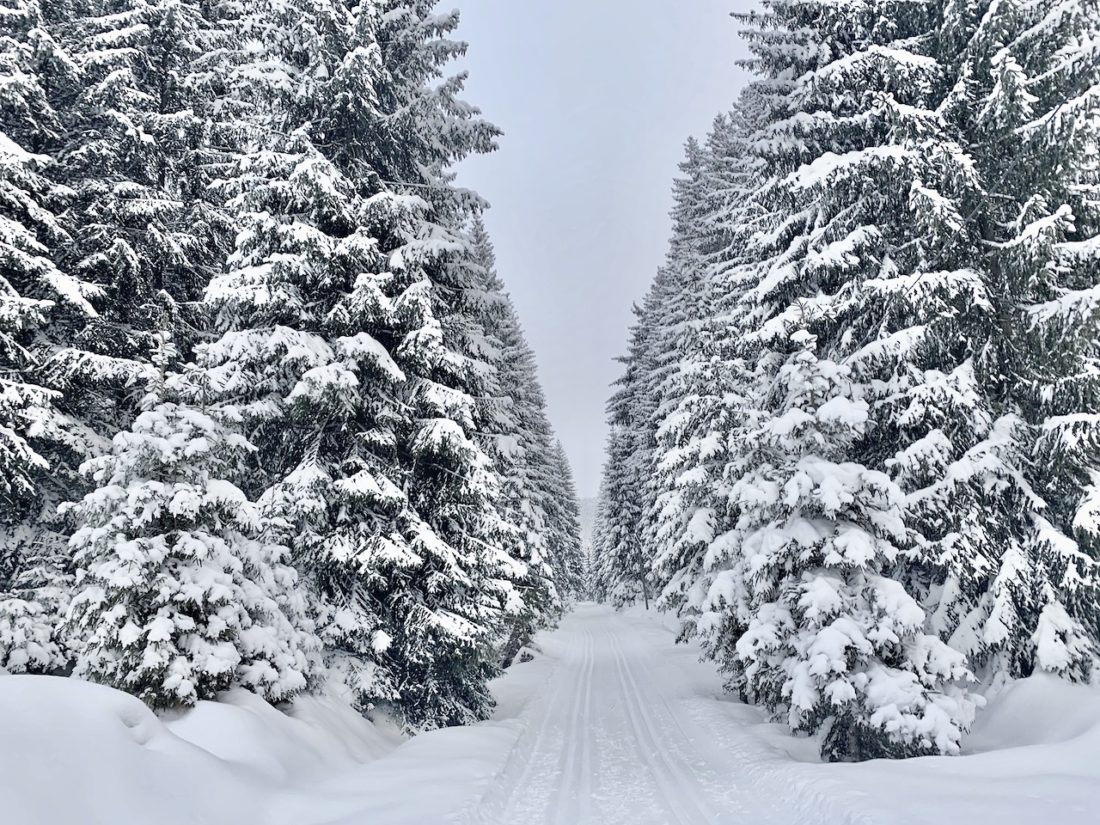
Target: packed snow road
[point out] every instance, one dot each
(619, 734)
(612, 724)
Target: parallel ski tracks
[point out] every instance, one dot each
(530, 757)
(555, 784)
(669, 777)
(575, 792)
(616, 729)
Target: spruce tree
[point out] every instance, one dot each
(624, 566)
(607, 572)
(136, 154)
(181, 592)
(543, 499)
(649, 413)
(453, 486)
(347, 343)
(566, 544)
(843, 322)
(308, 338)
(115, 113)
(1024, 99)
(42, 307)
(694, 387)
(519, 437)
(865, 320)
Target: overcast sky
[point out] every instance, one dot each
(596, 99)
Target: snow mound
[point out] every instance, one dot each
(1033, 756)
(76, 752)
(316, 735)
(1040, 710)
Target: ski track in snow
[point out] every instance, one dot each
(680, 793)
(614, 738)
(573, 793)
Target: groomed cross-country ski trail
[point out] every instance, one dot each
(623, 732)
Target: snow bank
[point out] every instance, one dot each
(1042, 710)
(317, 735)
(75, 753)
(1033, 756)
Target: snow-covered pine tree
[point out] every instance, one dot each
(676, 325)
(590, 590)
(135, 153)
(664, 394)
(309, 327)
(695, 389)
(601, 560)
(1027, 74)
(424, 129)
(302, 356)
(41, 308)
(622, 560)
(567, 551)
(347, 345)
(640, 491)
(519, 442)
(181, 592)
(543, 501)
(113, 112)
(858, 326)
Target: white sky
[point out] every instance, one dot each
(596, 99)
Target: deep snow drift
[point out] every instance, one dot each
(614, 723)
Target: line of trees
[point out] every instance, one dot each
(267, 415)
(855, 445)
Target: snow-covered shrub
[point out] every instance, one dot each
(181, 593)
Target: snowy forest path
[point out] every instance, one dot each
(612, 724)
(619, 733)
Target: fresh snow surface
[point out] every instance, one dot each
(612, 723)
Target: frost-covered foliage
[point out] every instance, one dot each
(132, 149)
(346, 345)
(41, 302)
(269, 184)
(622, 568)
(854, 444)
(696, 387)
(182, 591)
(567, 554)
(103, 99)
(1027, 94)
(861, 307)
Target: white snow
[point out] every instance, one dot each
(364, 347)
(611, 723)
